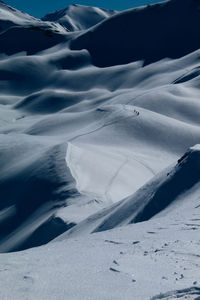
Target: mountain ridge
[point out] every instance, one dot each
(79, 17)
(149, 43)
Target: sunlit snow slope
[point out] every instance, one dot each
(169, 192)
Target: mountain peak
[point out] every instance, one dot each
(79, 17)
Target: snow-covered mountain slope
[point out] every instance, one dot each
(170, 191)
(117, 140)
(22, 32)
(12, 17)
(119, 125)
(168, 29)
(90, 137)
(78, 17)
(153, 260)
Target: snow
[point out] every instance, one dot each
(99, 153)
(79, 17)
(10, 17)
(164, 190)
(133, 262)
(151, 36)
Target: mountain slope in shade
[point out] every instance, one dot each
(33, 187)
(21, 32)
(150, 33)
(78, 17)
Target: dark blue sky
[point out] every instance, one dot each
(39, 8)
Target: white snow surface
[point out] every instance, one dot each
(105, 144)
(79, 17)
(10, 17)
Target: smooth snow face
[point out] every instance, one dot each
(173, 187)
(104, 174)
(79, 17)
